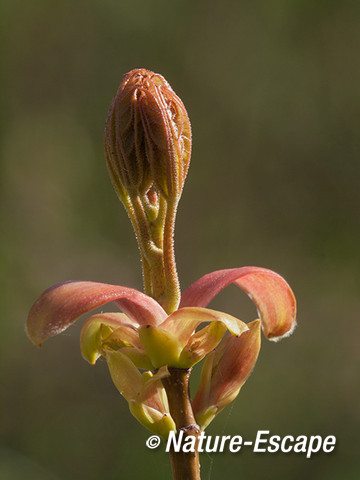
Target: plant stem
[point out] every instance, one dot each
(151, 254)
(185, 466)
(172, 295)
(156, 243)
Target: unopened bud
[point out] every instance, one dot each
(147, 136)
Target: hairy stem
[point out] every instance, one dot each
(171, 298)
(156, 243)
(185, 466)
(146, 271)
(151, 254)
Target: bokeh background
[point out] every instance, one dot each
(272, 90)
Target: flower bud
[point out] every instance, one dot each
(147, 137)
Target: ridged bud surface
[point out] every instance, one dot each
(147, 136)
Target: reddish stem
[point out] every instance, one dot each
(185, 466)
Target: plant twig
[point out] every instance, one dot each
(185, 465)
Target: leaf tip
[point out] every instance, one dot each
(276, 339)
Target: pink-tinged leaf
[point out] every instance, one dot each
(183, 322)
(100, 328)
(234, 365)
(224, 372)
(271, 294)
(200, 402)
(125, 375)
(202, 342)
(59, 306)
(123, 336)
(133, 385)
(144, 393)
(153, 393)
(164, 344)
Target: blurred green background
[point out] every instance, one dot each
(272, 90)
